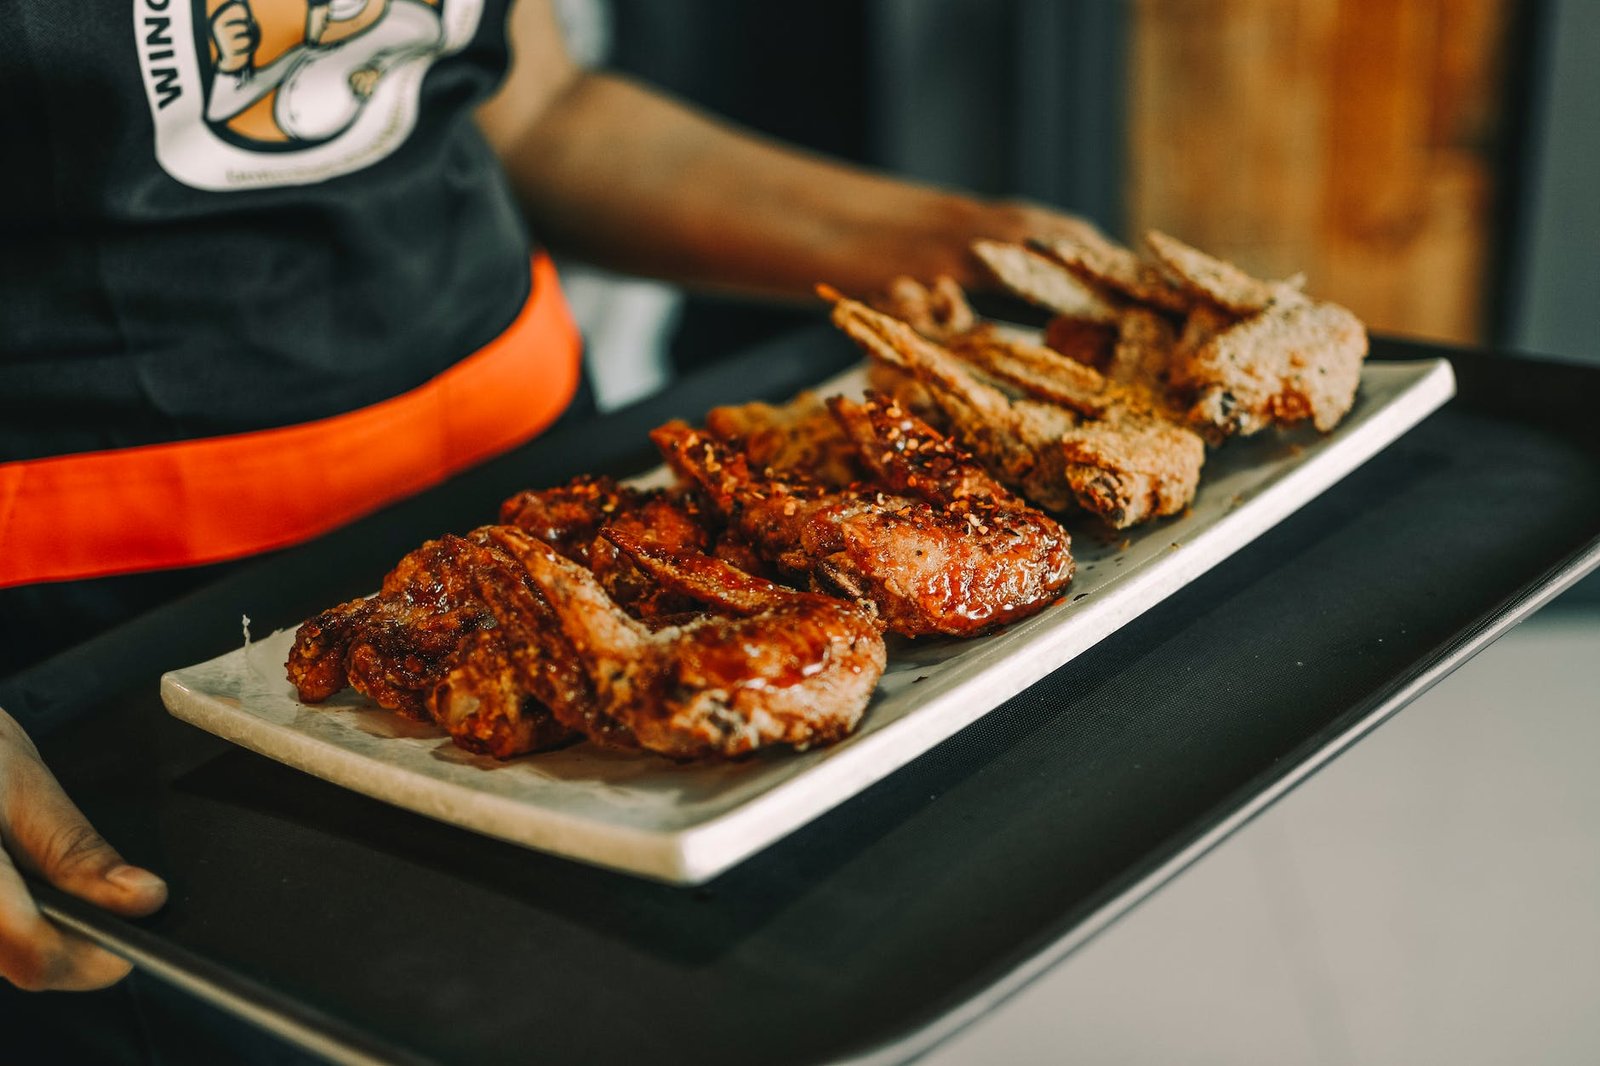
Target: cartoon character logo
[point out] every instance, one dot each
(247, 93)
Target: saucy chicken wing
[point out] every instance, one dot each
(778, 667)
(934, 557)
(453, 636)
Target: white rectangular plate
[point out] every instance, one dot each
(685, 824)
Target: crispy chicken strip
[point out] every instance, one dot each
(1144, 349)
(958, 566)
(1136, 459)
(1042, 281)
(1127, 468)
(1220, 282)
(1107, 267)
(793, 668)
(1046, 374)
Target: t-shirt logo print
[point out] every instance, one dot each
(251, 93)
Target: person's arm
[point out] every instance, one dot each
(622, 176)
(43, 832)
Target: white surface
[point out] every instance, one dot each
(626, 325)
(1429, 898)
(687, 823)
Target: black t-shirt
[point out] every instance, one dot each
(224, 215)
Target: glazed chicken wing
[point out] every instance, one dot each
(933, 558)
(780, 668)
(394, 647)
(452, 636)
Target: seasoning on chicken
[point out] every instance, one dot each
(517, 687)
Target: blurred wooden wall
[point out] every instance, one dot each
(1353, 140)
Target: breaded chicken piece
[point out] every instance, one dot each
(1108, 268)
(1286, 364)
(950, 552)
(1126, 466)
(1042, 281)
(1220, 282)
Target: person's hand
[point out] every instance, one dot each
(41, 831)
(236, 34)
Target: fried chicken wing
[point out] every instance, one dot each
(1129, 466)
(407, 639)
(517, 687)
(1218, 281)
(447, 638)
(786, 668)
(1267, 354)
(1283, 365)
(316, 664)
(908, 456)
(1113, 271)
(569, 517)
(931, 563)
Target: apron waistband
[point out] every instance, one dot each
(160, 506)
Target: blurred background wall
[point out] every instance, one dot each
(1431, 164)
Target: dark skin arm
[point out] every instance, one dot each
(617, 174)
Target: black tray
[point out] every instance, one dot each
(365, 932)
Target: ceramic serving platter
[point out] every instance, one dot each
(686, 823)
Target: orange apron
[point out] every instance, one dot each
(159, 506)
